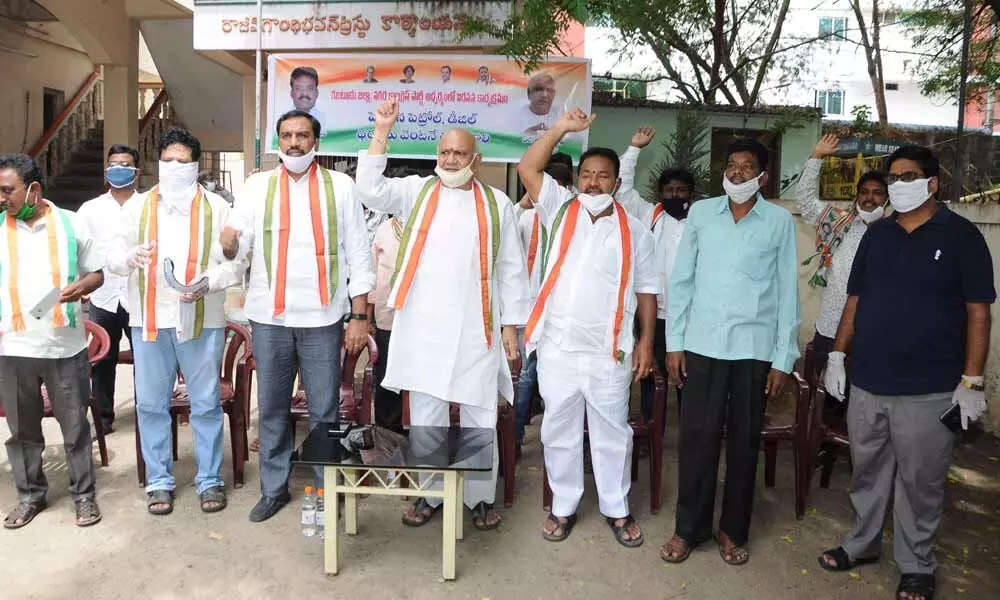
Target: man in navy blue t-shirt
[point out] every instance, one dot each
(917, 326)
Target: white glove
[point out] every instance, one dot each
(835, 379)
(140, 256)
(971, 402)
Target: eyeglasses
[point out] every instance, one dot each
(906, 177)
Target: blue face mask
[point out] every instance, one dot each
(120, 177)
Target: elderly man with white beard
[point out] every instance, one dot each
(459, 292)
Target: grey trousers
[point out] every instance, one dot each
(279, 352)
(900, 448)
(67, 381)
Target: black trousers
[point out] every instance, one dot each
(102, 375)
(388, 404)
(719, 394)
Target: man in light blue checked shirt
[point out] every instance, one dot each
(732, 337)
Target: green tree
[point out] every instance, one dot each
(936, 28)
(713, 51)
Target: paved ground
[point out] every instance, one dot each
(133, 555)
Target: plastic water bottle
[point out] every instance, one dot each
(309, 513)
(320, 516)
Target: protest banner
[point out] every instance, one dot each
(489, 96)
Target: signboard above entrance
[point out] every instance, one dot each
(319, 25)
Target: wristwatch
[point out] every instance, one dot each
(357, 317)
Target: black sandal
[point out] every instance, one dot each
(665, 553)
(620, 531)
(87, 512)
(842, 560)
(24, 512)
(917, 583)
(566, 527)
(420, 519)
(213, 499)
(480, 518)
(160, 497)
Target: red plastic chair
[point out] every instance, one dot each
(234, 396)
(351, 410)
(97, 348)
(822, 431)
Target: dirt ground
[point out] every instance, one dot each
(133, 555)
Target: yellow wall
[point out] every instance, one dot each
(43, 55)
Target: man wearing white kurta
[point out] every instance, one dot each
(173, 329)
(310, 267)
(599, 272)
(462, 286)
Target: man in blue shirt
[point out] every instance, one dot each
(917, 325)
(732, 337)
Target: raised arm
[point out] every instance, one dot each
(374, 190)
(807, 189)
(627, 194)
(532, 165)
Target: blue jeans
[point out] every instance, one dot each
(156, 366)
(280, 352)
(526, 386)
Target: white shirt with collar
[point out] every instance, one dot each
(173, 227)
(40, 339)
(102, 215)
(303, 307)
(585, 297)
(667, 231)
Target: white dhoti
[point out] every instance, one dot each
(574, 384)
(428, 410)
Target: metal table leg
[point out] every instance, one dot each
(351, 502)
(330, 542)
(450, 521)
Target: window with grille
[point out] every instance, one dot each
(831, 102)
(833, 27)
(623, 88)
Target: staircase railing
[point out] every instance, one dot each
(158, 118)
(54, 150)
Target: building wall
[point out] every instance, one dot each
(42, 56)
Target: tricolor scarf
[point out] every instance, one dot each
(62, 264)
(832, 226)
(324, 238)
(563, 229)
(415, 237)
(539, 239)
(199, 230)
(658, 211)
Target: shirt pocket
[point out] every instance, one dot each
(608, 263)
(757, 257)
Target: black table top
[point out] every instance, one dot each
(438, 448)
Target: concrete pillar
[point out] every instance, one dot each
(121, 93)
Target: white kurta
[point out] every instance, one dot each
(438, 344)
(303, 306)
(667, 231)
(173, 230)
(577, 374)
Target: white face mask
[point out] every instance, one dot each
(297, 164)
(870, 216)
(455, 179)
(741, 192)
(178, 180)
(595, 205)
(907, 195)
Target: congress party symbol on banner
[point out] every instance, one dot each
(490, 96)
